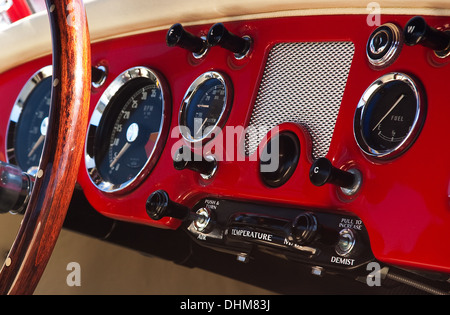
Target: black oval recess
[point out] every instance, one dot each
(279, 159)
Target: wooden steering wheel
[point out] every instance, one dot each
(63, 149)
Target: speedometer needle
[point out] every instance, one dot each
(44, 127)
(201, 126)
(36, 145)
(387, 114)
(118, 156)
(132, 134)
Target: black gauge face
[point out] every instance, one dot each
(128, 133)
(204, 107)
(28, 123)
(129, 141)
(390, 115)
(389, 118)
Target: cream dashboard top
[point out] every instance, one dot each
(29, 38)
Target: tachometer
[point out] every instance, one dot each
(28, 121)
(128, 130)
(205, 106)
(389, 116)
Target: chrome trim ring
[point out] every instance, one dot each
(346, 243)
(96, 121)
(391, 48)
(203, 52)
(443, 53)
(102, 80)
(188, 99)
(247, 52)
(361, 111)
(356, 186)
(18, 107)
(203, 219)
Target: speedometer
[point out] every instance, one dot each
(205, 106)
(389, 116)
(28, 121)
(127, 130)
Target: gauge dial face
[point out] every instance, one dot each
(29, 121)
(389, 116)
(126, 133)
(205, 107)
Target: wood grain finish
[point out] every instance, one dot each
(62, 150)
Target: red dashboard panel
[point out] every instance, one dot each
(404, 203)
(18, 10)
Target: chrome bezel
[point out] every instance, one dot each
(202, 225)
(204, 52)
(192, 90)
(393, 51)
(247, 52)
(351, 241)
(98, 84)
(362, 108)
(96, 119)
(443, 53)
(17, 109)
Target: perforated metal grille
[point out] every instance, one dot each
(302, 83)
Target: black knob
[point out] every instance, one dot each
(303, 229)
(15, 188)
(323, 172)
(185, 158)
(159, 206)
(219, 35)
(417, 31)
(178, 36)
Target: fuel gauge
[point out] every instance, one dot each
(389, 116)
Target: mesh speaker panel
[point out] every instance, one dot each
(302, 83)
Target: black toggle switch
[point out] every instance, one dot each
(178, 36)
(219, 35)
(323, 172)
(185, 158)
(159, 206)
(417, 31)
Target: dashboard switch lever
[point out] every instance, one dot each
(417, 31)
(323, 172)
(159, 206)
(219, 35)
(185, 158)
(178, 36)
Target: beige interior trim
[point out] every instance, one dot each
(29, 38)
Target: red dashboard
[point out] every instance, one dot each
(403, 202)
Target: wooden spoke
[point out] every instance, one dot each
(62, 149)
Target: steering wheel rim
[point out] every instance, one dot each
(58, 169)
